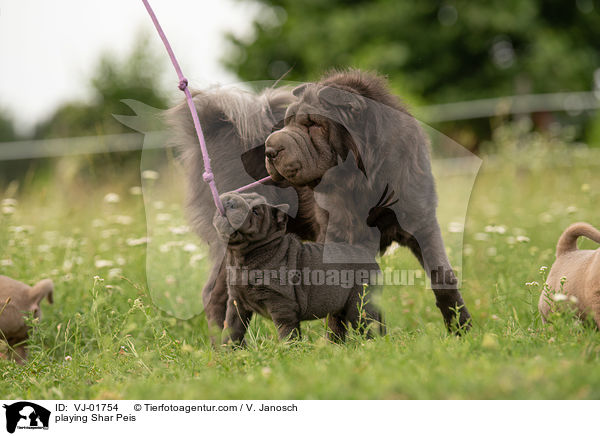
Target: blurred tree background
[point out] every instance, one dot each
(432, 51)
(136, 76)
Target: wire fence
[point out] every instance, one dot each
(573, 103)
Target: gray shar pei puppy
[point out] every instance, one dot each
(310, 130)
(272, 273)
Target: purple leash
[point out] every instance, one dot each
(208, 175)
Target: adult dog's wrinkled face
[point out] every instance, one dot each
(249, 221)
(315, 133)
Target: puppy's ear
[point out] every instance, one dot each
(299, 90)
(281, 214)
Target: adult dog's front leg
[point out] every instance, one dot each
(431, 251)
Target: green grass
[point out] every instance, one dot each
(105, 338)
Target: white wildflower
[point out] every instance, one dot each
(139, 241)
(9, 202)
(190, 248)
(179, 230)
(496, 229)
(68, 358)
(6, 262)
(523, 239)
(571, 209)
(135, 190)
(196, 258)
(559, 297)
(112, 198)
(455, 227)
(8, 210)
(573, 299)
(102, 263)
(150, 175)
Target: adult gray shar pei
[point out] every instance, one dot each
(297, 136)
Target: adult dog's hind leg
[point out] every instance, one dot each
(214, 298)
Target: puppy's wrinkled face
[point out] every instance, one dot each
(314, 134)
(249, 220)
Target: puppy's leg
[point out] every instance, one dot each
(444, 283)
(359, 313)
(285, 318)
(288, 329)
(236, 322)
(214, 298)
(375, 316)
(336, 330)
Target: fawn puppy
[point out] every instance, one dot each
(581, 272)
(16, 300)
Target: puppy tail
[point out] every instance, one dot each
(45, 288)
(568, 240)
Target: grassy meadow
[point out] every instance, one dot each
(108, 336)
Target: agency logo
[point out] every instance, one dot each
(24, 415)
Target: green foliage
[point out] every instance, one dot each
(431, 50)
(7, 130)
(136, 77)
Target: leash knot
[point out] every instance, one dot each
(183, 83)
(208, 177)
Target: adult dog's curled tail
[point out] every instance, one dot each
(568, 240)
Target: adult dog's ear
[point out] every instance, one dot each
(341, 97)
(299, 90)
(281, 214)
(254, 162)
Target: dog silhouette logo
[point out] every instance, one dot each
(26, 415)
